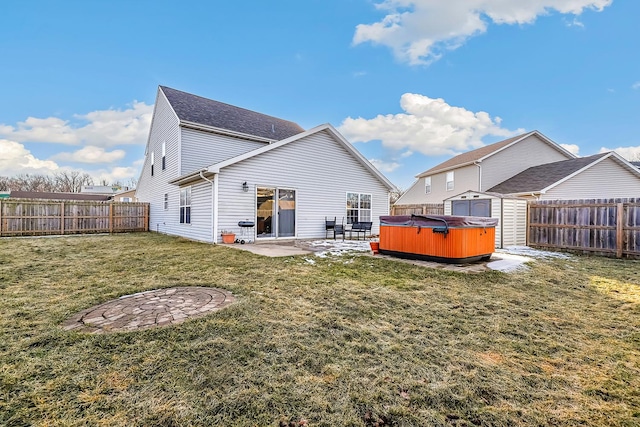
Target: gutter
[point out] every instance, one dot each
(479, 175)
(214, 205)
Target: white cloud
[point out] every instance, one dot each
(635, 86)
(572, 148)
(383, 166)
(418, 31)
(428, 126)
(91, 154)
(117, 174)
(629, 153)
(16, 159)
(102, 128)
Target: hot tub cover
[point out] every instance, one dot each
(438, 221)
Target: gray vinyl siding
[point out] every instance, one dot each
(606, 179)
(200, 227)
(151, 189)
(531, 151)
(464, 178)
(201, 149)
(321, 171)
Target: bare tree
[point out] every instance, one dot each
(396, 194)
(71, 181)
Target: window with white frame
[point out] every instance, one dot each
(185, 205)
(427, 185)
(164, 155)
(152, 162)
(449, 181)
(166, 201)
(358, 207)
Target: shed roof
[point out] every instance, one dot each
(196, 109)
(537, 178)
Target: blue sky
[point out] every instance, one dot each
(409, 83)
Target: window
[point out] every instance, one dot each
(125, 199)
(427, 185)
(166, 201)
(358, 207)
(185, 205)
(449, 181)
(152, 161)
(164, 155)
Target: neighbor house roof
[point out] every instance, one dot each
(198, 110)
(538, 178)
(482, 153)
(58, 196)
(215, 168)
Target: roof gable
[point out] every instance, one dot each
(207, 112)
(215, 168)
(538, 178)
(482, 153)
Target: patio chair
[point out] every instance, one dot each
(333, 228)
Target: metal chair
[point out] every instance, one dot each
(333, 228)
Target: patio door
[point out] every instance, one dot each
(275, 212)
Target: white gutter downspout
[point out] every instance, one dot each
(214, 205)
(479, 175)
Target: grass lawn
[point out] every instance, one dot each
(347, 341)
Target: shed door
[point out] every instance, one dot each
(474, 207)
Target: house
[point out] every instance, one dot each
(209, 165)
(483, 168)
(125, 196)
(601, 176)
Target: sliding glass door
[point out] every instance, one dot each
(275, 212)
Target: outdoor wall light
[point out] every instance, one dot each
(245, 186)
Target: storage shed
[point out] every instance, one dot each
(511, 213)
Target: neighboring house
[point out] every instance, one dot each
(125, 196)
(58, 196)
(103, 189)
(209, 165)
(483, 168)
(601, 176)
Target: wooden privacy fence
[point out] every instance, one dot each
(28, 217)
(423, 209)
(608, 227)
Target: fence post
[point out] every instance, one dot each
(0, 218)
(111, 218)
(62, 218)
(619, 230)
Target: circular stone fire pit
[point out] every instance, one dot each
(150, 309)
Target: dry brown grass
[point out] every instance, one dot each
(360, 342)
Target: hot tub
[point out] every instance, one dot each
(441, 238)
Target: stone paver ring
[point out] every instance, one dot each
(144, 310)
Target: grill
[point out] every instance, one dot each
(246, 232)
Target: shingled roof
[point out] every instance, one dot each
(207, 112)
(538, 178)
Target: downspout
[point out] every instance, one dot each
(214, 205)
(479, 175)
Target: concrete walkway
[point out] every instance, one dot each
(149, 309)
